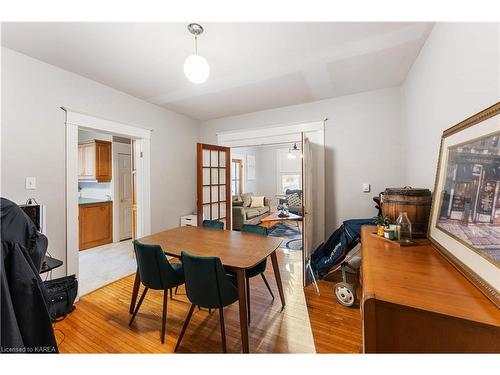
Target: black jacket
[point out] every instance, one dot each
(25, 322)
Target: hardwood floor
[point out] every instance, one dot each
(100, 322)
(336, 329)
(310, 322)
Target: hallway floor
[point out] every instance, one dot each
(105, 264)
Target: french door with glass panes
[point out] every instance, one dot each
(214, 179)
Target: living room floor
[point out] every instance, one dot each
(291, 233)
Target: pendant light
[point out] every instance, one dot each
(292, 151)
(196, 67)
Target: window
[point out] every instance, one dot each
(290, 181)
(288, 171)
(236, 177)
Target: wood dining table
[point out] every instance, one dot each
(237, 251)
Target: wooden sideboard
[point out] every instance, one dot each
(415, 301)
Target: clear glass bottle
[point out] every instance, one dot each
(403, 227)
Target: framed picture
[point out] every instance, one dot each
(250, 167)
(465, 215)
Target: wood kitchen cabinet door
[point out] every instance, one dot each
(86, 161)
(95, 224)
(95, 161)
(103, 161)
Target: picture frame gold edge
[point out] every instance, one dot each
(489, 291)
(473, 120)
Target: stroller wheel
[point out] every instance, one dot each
(345, 294)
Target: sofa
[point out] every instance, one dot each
(244, 214)
(294, 209)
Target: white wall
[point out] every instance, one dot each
(266, 173)
(249, 186)
(268, 170)
(362, 144)
(33, 141)
(456, 75)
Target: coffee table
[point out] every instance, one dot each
(273, 219)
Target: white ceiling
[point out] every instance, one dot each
(254, 66)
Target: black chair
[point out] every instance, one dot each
(157, 273)
(259, 268)
(213, 224)
(207, 285)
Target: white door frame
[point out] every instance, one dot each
(77, 120)
(315, 131)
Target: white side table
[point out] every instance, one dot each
(189, 221)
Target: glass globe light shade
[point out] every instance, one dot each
(196, 68)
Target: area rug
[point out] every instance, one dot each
(292, 237)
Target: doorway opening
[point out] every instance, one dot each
(267, 190)
(107, 198)
(309, 139)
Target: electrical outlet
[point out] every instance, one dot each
(30, 183)
(366, 187)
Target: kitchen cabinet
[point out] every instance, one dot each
(95, 224)
(95, 161)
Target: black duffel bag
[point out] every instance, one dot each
(62, 293)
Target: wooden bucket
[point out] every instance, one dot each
(415, 202)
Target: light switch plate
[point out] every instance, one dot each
(366, 187)
(30, 183)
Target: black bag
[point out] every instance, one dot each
(62, 293)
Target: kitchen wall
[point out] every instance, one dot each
(363, 143)
(456, 75)
(33, 141)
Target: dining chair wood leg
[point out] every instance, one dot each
(209, 310)
(267, 284)
(188, 318)
(135, 291)
(277, 276)
(222, 330)
(164, 316)
(248, 298)
(176, 289)
(138, 306)
(171, 293)
(240, 275)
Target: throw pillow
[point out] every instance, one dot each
(293, 200)
(247, 199)
(257, 202)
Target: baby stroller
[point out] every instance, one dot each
(335, 254)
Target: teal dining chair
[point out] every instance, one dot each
(207, 285)
(212, 224)
(156, 273)
(215, 224)
(259, 268)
